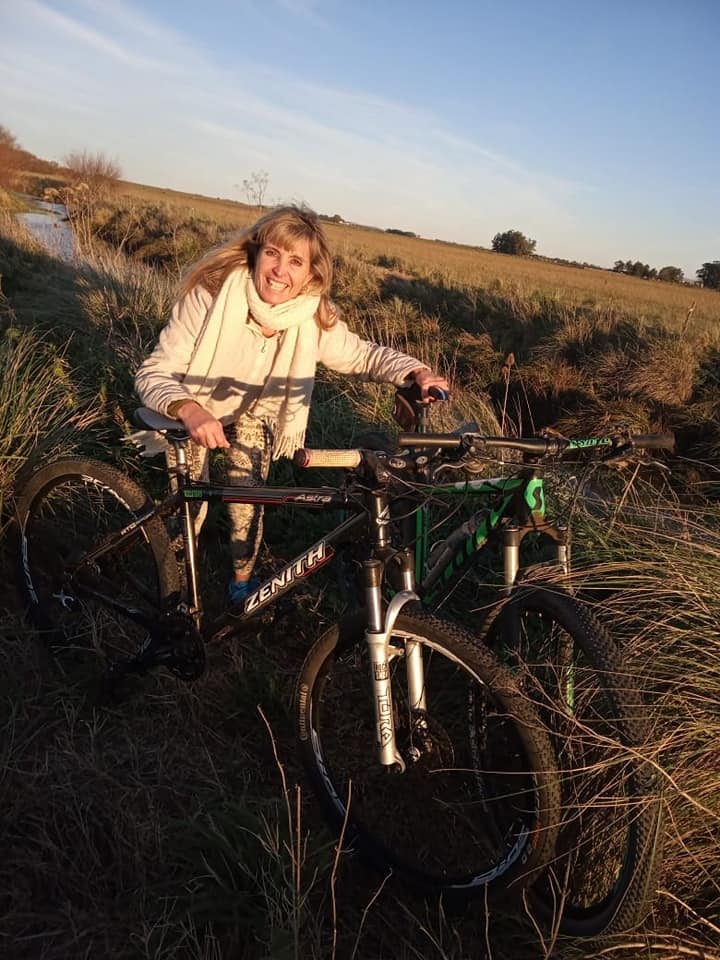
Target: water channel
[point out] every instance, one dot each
(49, 224)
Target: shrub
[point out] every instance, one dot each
(95, 169)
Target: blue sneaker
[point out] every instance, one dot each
(238, 592)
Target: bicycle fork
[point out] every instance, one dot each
(512, 536)
(377, 636)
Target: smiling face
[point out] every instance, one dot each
(281, 274)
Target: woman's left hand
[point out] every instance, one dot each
(426, 378)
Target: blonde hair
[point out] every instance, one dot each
(283, 227)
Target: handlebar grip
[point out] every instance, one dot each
(654, 441)
(305, 457)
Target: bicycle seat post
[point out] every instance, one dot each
(182, 475)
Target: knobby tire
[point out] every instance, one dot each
(478, 804)
(610, 844)
(66, 508)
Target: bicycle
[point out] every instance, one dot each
(610, 843)
(462, 794)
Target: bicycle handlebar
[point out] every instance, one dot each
(535, 446)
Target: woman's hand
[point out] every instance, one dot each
(204, 429)
(425, 378)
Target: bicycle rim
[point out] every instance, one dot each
(466, 810)
(65, 518)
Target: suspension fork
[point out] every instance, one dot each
(414, 667)
(377, 634)
(512, 538)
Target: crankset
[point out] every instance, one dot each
(175, 644)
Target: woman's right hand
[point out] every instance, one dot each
(204, 429)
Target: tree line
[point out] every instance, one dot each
(516, 243)
(708, 275)
(638, 269)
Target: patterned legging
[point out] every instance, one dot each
(247, 465)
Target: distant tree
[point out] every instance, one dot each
(255, 186)
(10, 157)
(7, 139)
(642, 270)
(92, 177)
(671, 274)
(709, 274)
(401, 233)
(512, 241)
(619, 266)
(99, 172)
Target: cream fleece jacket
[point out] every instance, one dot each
(226, 376)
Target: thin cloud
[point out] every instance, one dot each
(370, 157)
(134, 21)
(305, 9)
(52, 20)
(503, 163)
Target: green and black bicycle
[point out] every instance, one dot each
(480, 535)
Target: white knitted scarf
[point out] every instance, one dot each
(284, 403)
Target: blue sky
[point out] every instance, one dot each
(592, 127)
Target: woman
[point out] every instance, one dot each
(253, 320)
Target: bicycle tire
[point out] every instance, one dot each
(610, 842)
(478, 807)
(65, 508)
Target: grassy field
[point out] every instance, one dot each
(465, 265)
(168, 825)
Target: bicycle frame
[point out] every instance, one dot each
(514, 508)
(371, 511)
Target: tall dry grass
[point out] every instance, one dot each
(168, 825)
(41, 407)
(652, 567)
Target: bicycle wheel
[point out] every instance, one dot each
(67, 508)
(609, 847)
(477, 803)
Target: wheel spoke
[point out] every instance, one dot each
(466, 808)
